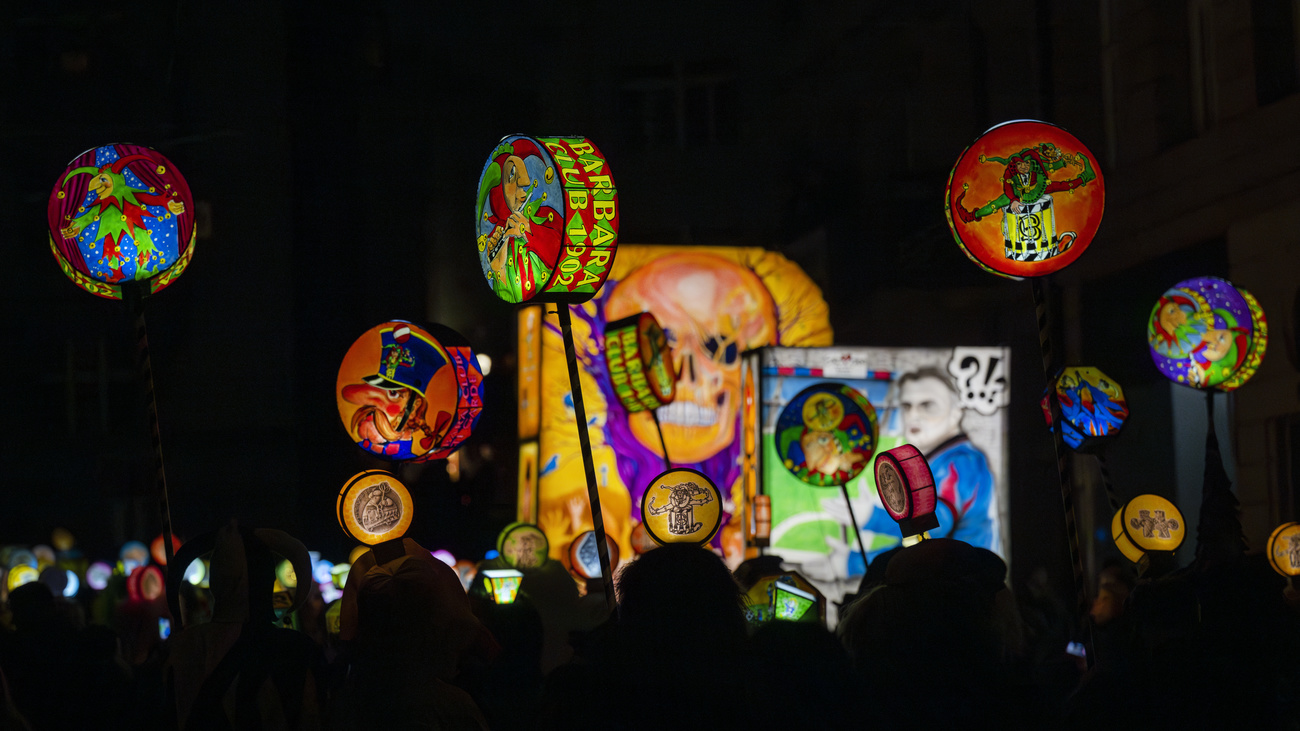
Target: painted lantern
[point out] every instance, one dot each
(523, 546)
(640, 363)
(374, 507)
(546, 219)
(1093, 409)
(1284, 549)
(1206, 333)
(906, 488)
(584, 556)
(1025, 199)
(405, 393)
(1147, 523)
(681, 506)
(826, 434)
(121, 213)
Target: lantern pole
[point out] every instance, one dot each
(584, 441)
(133, 294)
(1062, 466)
(668, 463)
(853, 519)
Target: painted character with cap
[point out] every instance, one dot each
(393, 411)
(118, 212)
(520, 229)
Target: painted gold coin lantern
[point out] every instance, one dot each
(681, 506)
(1025, 199)
(407, 393)
(584, 559)
(906, 488)
(1284, 550)
(374, 507)
(546, 219)
(121, 213)
(1206, 333)
(523, 546)
(1093, 408)
(640, 363)
(1147, 524)
(826, 434)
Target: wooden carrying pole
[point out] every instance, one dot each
(134, 295)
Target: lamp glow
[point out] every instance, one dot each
(21, 574)
(98, 574)
(504, 584)
(73, 584)
(1147, 523)
(1206, 333)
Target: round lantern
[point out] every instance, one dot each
(405, 393)
(584, 557)
(23, 557)
(374, 507)
(1025, 199)
(133, 554)
(826, 434)
(906, 488)
(1093, 409)
(1284, 549)
(196, 572)
(523, 546)
(72, 583)
(62, 539)
(546, 219)
(1147, 523)
(640, 363)
(1206, 333)
(681, 506)
(640, 539)
(156, 549)
(44, 556)
(145, 583)
(21, 574)
(339, 574)
(98, 574)
(121, 213)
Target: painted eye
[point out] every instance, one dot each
(730, 354)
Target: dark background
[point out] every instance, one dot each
(333, 150)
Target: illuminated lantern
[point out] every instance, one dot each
(133, 554)
(156, 549)
(73, 584)
(196, 572)
(466, 570)
(906, 488)
(320, 571)
(44, 556)
(1206, 333)
(356, 553)
(826, 434)
(285, 574)
(339, 574)
(1284, 550)
(790, 603)
(98, 574)
(681, 506)
(145, 583)
(1093, 409)
(21, 574)
(374, 507)
(641, 540)
(1025, 199)
(523, 546)
(546, 219)
(640, 363)
(121, 213)
(584, 559)
(444, 556)
(62, 539)
(1147, 524)
(405, 393)
(23, 557)
(503, 584)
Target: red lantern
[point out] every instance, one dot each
(906, 488)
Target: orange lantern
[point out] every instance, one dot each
(374, 507)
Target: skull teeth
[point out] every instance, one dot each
(687, 413)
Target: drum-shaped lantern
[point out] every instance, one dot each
(1147, 523)
(826, 434)
(374, 506)
(546, 219)
(121, 213)
(406, 393)
(906, 488)
(681, 506)
(640, 363)
(1025, 199)
(1284, 549)
(1206, 333)
(1093, 409)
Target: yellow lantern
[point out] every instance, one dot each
(1284, 550)
(681, 506)
(373, 507)
(21, 574)
(1147, 524)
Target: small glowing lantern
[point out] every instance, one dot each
(906, 488)
(374, 507)
(62, 539)
(321, 571)
(1284, 550)
(98, 574)
(44, 556)
(504, 584)
(196, 572)
(546, 219)
(145, 583)
(1206, 333)
(72, 585)
(826, 434)
(133, 554)
(121, 213)
(22, 574)
(406, 393)
(790, 603)
(584, 559)
(156, 549)
(466, 571)
(523, 546)
(23, 557)
(681, 506)
(339, 574)
(1093, 409)
(356, 553)
(640, 539)
(285, 574)
(640, 363)
(1025, 199)
(1147, 524)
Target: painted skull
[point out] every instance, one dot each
(711, 310)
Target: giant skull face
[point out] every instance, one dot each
(712, 310)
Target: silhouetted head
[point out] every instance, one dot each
(683, 590)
